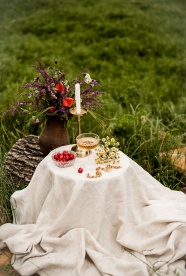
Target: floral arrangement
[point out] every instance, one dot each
(108, 151)
(51, 93)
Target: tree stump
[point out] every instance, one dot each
(22, 160)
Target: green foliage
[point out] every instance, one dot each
(147, 140)
(135, 49)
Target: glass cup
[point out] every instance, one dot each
(88, 142)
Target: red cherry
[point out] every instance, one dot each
(71, 156)
(80, 170)
(67, 157)
(60, 157)
(65, 152)
(55, 156)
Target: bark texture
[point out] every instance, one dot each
(22, 160)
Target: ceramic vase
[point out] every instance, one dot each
(54, 134)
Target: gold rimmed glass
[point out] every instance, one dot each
(87, 142)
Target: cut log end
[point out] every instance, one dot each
(22, 160)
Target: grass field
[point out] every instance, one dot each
(135, 49)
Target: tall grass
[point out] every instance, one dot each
(6, 189)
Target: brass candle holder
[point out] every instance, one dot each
(79, 152)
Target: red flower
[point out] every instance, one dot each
(60, 87)
(68, 102)
(52, 109)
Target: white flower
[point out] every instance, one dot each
(88, 78)
(107, 154)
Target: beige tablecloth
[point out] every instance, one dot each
(124, 223)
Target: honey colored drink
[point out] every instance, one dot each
(87, 143)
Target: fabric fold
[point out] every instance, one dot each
(123, 223)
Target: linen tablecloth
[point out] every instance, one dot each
(124, 223)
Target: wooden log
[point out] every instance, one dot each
(22, 160)
(178, 159)
(5, 264)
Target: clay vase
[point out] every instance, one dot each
(54, 134)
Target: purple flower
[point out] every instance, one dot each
(50, 89)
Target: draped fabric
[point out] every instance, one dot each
(122, 223)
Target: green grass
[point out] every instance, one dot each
(6, 189)
(135, 49)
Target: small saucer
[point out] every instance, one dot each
(79, 152)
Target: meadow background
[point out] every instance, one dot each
(134, 48)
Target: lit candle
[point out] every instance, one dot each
(77, 98)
